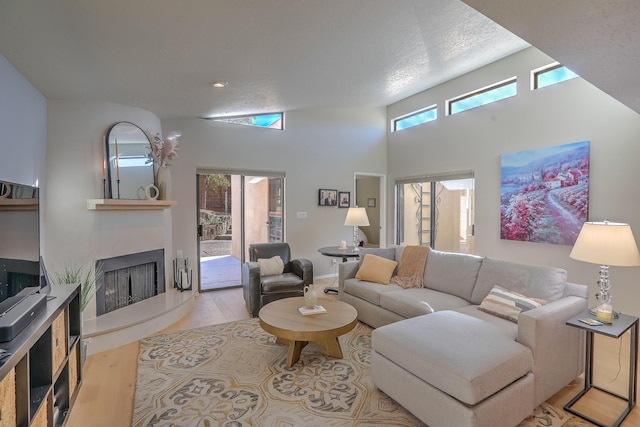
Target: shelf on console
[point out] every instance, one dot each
(128, 205)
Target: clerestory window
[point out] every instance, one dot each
(270, 120)
(484, 96)
(416, 118)
(550, 75)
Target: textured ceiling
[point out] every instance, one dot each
(277, 55)
(599, 40)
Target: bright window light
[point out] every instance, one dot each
(414, 119)
(132, 162)
(551, 74)
(484, 96)
(271, 120)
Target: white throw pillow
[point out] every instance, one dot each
(508, 304)
(271, 266)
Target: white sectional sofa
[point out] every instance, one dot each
(452, 364)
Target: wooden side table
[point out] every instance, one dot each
(614, 330)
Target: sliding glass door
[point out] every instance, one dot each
(235, 209)
(436, 212)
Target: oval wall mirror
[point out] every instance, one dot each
(130, 164)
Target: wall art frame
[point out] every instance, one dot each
(327, 197)
(344, 199)
(544, 193)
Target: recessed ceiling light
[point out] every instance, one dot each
(219, 84)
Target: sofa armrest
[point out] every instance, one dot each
(557, 349)
(251, 287)
(303, 267)
(346, 270)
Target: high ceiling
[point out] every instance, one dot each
(598, 39)
(276, 55)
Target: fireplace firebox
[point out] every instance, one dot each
(128, 279)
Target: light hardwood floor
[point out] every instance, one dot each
(106, 395)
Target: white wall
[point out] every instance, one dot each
(23, 128)
(318, 149)
(473, 140)
(75, 146)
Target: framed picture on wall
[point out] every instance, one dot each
(371, 202)
(344, 199)
(327, 197)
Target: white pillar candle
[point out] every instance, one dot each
(604, 313)
(185, 278)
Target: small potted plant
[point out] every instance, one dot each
(84, 274)
(88, 278)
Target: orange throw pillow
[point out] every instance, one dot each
(376, 269)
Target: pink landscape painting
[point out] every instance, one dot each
(544, 194)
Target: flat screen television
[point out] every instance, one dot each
(20, 264)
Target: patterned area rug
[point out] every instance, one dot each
(234, 374)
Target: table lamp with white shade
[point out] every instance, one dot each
(356, 217)
(606, 243)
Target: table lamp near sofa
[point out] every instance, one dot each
(356, 217)
(606, 243)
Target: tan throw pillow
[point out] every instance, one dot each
(376, 269)
(507, 304)
(271, 266)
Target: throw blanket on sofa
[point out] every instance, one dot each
(411, 267)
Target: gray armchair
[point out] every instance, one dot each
(260, 290)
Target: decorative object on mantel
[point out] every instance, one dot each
(127, 162)
(163, 152)
(182, 274)
(163, 182)
(104, 171)
(5, 190)
(150, 192)
(117, 168)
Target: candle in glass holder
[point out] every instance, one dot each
(604, 313)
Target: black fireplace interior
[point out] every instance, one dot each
(129, 279)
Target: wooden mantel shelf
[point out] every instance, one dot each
(128, 205)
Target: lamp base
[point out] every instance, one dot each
(356, 241)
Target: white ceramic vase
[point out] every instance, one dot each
(163, 182)
(310, 296)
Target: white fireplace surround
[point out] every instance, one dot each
(144, 318)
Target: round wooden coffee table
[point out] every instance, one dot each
(282, 319)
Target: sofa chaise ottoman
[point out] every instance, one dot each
(444, 355)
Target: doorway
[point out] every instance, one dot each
(235, 209)
(369, 194)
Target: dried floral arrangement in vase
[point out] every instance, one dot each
(163, 151)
